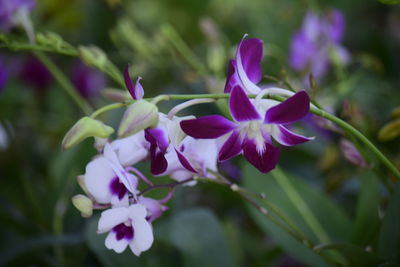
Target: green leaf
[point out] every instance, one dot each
(198, 234)
(325, 210)
(367, 222)
(354, 255)
(389, 237)
(107, 257)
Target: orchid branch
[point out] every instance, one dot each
(317, 111)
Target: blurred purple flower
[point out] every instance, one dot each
(351, 153)
(317, 41)
(34, 73)
(88, 81)
(3, 75)
(9, 12)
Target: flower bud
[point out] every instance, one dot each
(50, 39)
(116, 95)
(85, 127)
(139, 116)
(389, 131)
(83, 204)
(93, 56)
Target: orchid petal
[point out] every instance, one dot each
(240, 106)
(251, 53)
(129, 180)
(264, 161)
(113, 243)
(292, 109)
(143, 231)
(185, 162)
(136, 90)
(231, 147)
(248, 58)
(97, 179)
(111, 218)
(232, 77)
(208, 127)
(158, 146)
(289, 138)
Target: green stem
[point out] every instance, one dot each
(107, 108)
(301, 205)
(347, 127)
(64, 82)
(247, 196)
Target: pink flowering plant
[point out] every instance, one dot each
(239, 132)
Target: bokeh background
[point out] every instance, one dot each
(181, 46)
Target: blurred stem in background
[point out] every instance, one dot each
(64, 82)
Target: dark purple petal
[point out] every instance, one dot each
(158, 146)
(251, 52)
(158, 137)
(158, 162)
(232, 77)
(264, 162)
(207, 127)
(289, 138)
(117, 188)
(231, 147)
(185, 162)
(136, 90)
(292, 109)
(241, 107)
(123, 232)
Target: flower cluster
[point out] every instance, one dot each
(318, 43)
(184, 148)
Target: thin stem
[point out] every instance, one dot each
(168, 185)
(300, 205)
(347, 127)
(246, 196)
(245, 193)
(64, 82)
(107, 108)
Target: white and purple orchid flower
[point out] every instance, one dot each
(253, 128)
(126, 226)
(318, 39)
(108, 181)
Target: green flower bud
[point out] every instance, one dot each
(93, 56)
(390, 131)
(139, 116)
(85, 127)
(83, 204)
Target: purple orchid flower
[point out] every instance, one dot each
(88, 81)
(253, 127)
(314, 44)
